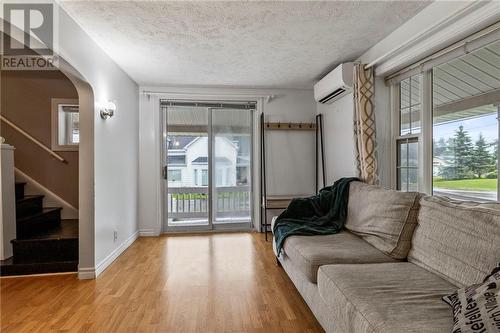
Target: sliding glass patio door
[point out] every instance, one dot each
(232, 185)
(207, 161)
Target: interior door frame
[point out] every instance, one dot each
(210, 226)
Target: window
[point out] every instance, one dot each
(446, 129)
(174, 175)
(176, 159)
(65, 125)
(204, 177)
(407, 164)
(409, 105)
(465, 125)
(195, 177)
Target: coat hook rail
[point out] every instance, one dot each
(290, 126)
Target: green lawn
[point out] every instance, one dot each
(467, 184)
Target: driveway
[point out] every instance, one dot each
(467, 195)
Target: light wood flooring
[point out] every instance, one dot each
(179, 283)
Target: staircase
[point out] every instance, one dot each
(44, 243)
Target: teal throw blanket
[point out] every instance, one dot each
(322, 214)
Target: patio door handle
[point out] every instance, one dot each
(165, 174)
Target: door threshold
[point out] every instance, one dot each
(201, 232)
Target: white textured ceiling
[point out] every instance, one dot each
(245, 44)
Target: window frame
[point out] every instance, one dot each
(424, 138)
(55, 104)
(417, 137)
(405, 140)
(425, 66)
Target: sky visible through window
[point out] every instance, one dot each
(487, 125)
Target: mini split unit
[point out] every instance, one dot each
(335, 84)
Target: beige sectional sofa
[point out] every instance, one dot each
(400, 253)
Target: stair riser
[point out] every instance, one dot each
(39, 268)
(29, 207)
(40, 251)
(19, 191)
(38, 224)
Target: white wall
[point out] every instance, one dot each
(435, 27)
(338, 137)
(113, 191)
(290, 156)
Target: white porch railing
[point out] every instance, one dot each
(192, 202)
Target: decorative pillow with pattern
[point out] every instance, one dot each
(476, 309)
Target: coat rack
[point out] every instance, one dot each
(290, 126)
(282, 201)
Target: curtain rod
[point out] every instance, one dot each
(150, 92)
(268, 98)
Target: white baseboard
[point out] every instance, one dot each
(115, 254)
(86, 273)
(92, 273)
(149, 233)
(50, 198)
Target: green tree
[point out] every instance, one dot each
(448, 170)
(463, 153)
(481, 159)
(440, 147)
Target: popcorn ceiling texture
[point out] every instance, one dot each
(241, 44)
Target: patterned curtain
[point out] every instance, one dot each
(364, 125)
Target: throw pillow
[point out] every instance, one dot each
(476, 309)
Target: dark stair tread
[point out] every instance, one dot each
(29, 197)
(8, 268)
(68, 229)
(44, 211)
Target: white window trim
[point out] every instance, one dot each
(426, 135)
(425, 138)
(55, 146)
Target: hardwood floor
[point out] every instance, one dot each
(182, 283)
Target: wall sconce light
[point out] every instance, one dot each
(107, 110)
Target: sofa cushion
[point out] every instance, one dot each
(458, 240)
(308, 253)
(384, 218)
(386, 297)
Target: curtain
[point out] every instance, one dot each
(364, 125)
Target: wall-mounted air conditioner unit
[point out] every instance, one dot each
(335, 84)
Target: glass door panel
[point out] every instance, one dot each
(232, 165)
(186, 170)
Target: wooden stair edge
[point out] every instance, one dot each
(30, 197)
(44, 211)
